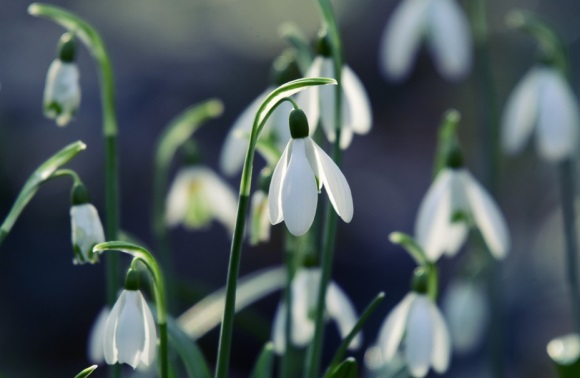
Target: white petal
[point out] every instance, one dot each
(96, 337)
(305, 286)
(150, 346)
(299, 192)
(327, 105)
(356, 103)
(401, 38)
(441, 344)
(278, 329)
(87, 230)
(177, 200)
(332, 179)
(275, 192)
(309, 99)
(220, 198)
(130, 335)
(393, 327)
(520, 113)
(487, 217)
(449, 37)
(63, 90)
(558, 118)
(110, 340)
(236, 144)
(341, 309)
(419, 337)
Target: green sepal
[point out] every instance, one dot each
(86, 372)
(264, 365)
(298, 124)
(132, 280)
(324, 45)
(448, 153)
(67, 47)
(420, 281)
(565, 354)
(347, 369)
(79, 194)
(38, 177)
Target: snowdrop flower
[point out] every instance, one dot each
(445, 27)
(130, 335)
(303, 169)
(96, 337)
(319, 101)
(87, 230)
(418, 320)
(197, 196)
(467, 312)
(62, 93)
(453, 202)
(260, 223)
(304, 289)
(543, 99)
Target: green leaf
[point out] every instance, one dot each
(347, 369)
(39, 176)
(192, 357)
(265, 363)
(85, 373)
(208, 312)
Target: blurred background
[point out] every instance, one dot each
(168, 55)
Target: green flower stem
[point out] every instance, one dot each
(158, 290)
(312, 367)
(567, 190)
(67, 172)
(92, 40)
(432, 281)
(408, 242)
(276, 97)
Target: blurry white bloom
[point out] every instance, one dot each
(293, 194)
(418, 320)
(259, 220)
(62, 92)
(319, 102)
(453, 202)
(445, 27)
(197, 196)
(96, 337)
(466, 309)
(543, 99)
(87, 231)
(304, 289)
(130, 334)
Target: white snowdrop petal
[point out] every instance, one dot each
(449, 37)
(109, 339)
(341, 309)
(221, 200)
(356, 101)
(177, 199)
(401, 38)
(327, 97)
(130, 334)
(456, 235)
(96, 337)
(558, 118)
(488, 217)
(334, 182)
(150, 346)
(441, 344)
(520, 113)
(304, 292)
(236, 144)
(275, 192)
(309, 99)
(87, 229)
(419, 337)
(63, 90)
(299, 192)
(393, 327)
(278, 330)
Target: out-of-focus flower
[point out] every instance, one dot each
(418, 320)
(304, 290)
(543, 99)
(445, 27)
(130, 335)
(95, 350)
(467, 312)
(197, 196)
(259, 221)
(453, 202)
(86, 226)
(293, 194)
(320, 101)
(62, 93)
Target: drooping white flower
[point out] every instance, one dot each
(543, 99)
(197, 196)
(87, 231)
(445, 27)
(95, 349)
(320, 102)
(466, 309)
(130, 333)
(453, 202)
(304, 289)
(293, 194)
(417, 320)
(259, 229)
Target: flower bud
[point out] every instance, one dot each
(298, 124)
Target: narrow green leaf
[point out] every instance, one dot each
(410, 245)
(447, 139)
(265, 363)
(347, 369)
(40, 175)
(86, 372)
(192, 357)
(207, 313)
